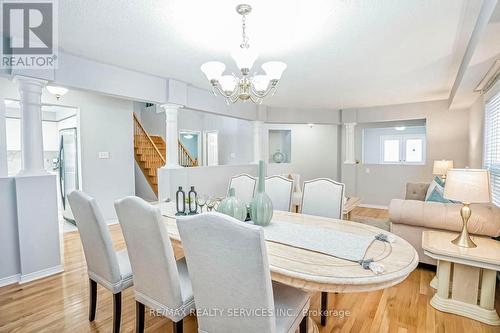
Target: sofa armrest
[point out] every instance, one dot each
(485, 218)
(416, 191)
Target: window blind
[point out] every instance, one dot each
(492, 145)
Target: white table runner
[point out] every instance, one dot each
(340, 244)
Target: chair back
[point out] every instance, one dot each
(102, 262)
(244, 186)
(323, 197)
(227, 263)
(151, 254)
(279, 189)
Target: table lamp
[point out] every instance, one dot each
(441, 167)
(467, 186)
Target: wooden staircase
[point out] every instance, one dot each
(150, 154)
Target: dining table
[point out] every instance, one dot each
(307, 269)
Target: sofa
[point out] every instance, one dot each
(410, 217)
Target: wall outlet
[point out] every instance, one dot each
(233, 155)
(104, 154)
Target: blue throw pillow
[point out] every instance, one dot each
(439, 180)
(437, 196)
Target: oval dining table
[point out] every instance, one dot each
(317, 272)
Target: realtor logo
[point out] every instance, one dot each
(29, 31)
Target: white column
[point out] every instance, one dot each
(3, 140)
(30, 92)
(172, 134)
(257, 140)
(350, 157)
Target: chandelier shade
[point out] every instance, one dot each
(213, 69)
(274, 69)
(234, 88)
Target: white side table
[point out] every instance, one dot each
(471, 273)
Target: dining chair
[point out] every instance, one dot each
(244, 186)
(160, 282)
(110, 268)
(230, 272)
(279, 189)
(323, 197)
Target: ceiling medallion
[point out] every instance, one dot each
(244, 87)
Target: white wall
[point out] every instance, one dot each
(235, 135)
(314, 151)
(447, 138)
(105, 126)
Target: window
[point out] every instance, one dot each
(492, 145)
(402, 149)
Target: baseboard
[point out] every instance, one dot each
(373, 206)
(40, 274)
(9, 280)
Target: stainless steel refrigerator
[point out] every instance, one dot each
(68, 169)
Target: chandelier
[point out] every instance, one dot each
(244, 87)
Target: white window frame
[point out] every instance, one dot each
(403, 138)
(491, 160)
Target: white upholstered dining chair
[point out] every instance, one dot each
(229, 270)
(323, 197)
(104, 266)
(279, 189)
(244, 187)
(160, 282)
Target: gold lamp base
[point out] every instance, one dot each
(464, 240)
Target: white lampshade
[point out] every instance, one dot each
(213, 69)
(227, 82)
(468, 185)
(57, 91)
(244, 57)
(441, 167)
(274, 69)
(260, 82)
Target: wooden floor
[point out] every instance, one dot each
(60, 303)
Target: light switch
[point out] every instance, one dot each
(367, 170)
(233, 155)
(104, 154)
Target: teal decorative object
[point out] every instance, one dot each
(261, 207)
(233, 206)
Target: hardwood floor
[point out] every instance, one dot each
(60, 303)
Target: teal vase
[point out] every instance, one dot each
(261, 207)
(233, 206)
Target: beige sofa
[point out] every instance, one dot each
(413, 215)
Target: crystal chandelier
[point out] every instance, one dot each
(246, 87)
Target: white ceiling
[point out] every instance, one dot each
(340, 53)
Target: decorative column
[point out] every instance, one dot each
(3, 140)
(30, 92)
(350, 157)
(172, 134)
(257, 140)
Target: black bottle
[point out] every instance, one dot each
(193, 206)
(180, 193)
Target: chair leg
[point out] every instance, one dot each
(303, 324)
(324, 307)
(117, 311)
(139, 317)
(93, 299)
(177, 326)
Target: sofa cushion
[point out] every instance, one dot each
(485, 218)
(416, 191)
(437, 195)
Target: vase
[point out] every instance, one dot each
(233, 206)
(261, 207)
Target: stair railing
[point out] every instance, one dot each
(143, 141)
(185, 158)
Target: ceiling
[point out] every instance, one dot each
(340, 53)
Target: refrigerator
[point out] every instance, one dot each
(68, 169)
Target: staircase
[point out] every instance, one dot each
(150, 154)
